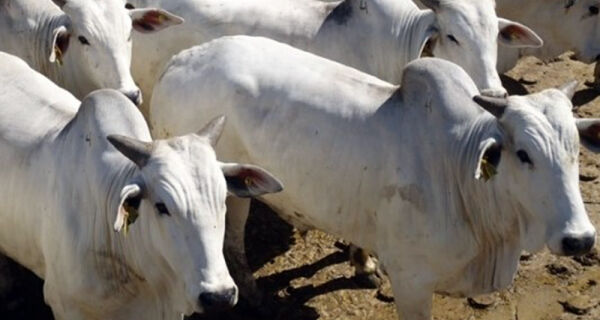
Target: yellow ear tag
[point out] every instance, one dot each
(58, 55)
(132, 215)
(248, 181)
(488, 171)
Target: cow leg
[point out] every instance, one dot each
(412, 295)
(366, 267)
(235, 250)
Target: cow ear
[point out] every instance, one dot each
(249, 181)
(129, 204)
(488, 159)
(60, 44)
(152, 20)
(514, 34)
(589, 133)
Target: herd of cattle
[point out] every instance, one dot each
(113, 194)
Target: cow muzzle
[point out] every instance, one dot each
(575, 246)
(218, 300)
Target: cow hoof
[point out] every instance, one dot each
(368, 280)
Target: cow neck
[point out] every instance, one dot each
(130, 250)
(394, 34)
(495, 220)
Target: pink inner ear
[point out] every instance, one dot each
(512, 32)
(153, 17)
(148, 21)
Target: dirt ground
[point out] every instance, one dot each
(309, 278)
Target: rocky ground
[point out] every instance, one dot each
(309, 278)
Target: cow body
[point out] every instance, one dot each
(378, 37)
(64, 185)
(563, 25)
(82, 46)
(394, 170)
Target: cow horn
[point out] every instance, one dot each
(495, 106)
(431, 4)
(60, 3)
(212, 131)
(137, 151)
(569, 88)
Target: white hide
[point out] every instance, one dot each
(63, 187)
(83, 46)
(390, 169)
(563, 25)
(378, 37)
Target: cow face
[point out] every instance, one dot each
(579, 28)
(179, 198)
(536, 159)
(468, 33)
(96, 37)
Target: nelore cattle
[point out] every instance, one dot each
(571, 25)
(446, 186)
(74, 173)
(377, 36)
(80, 45)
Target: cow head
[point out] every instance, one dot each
(579, 28)
(177, 200)
(467, 33)
(534, 157)
(95, 37)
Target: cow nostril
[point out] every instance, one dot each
(218, 300)
(598, 58)
(577, 246)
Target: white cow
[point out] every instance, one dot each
(446, 193)
(564, 25)
(64, 186)
(84, 45)
(376, 36)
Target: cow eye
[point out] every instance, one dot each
(129, 6)
(162, 209)
(83, 40)
(452, 38)
(594, 10)
(524, 157)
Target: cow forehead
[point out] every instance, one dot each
(107, 15)
(543, 118)
(185, 157)
(471, 14)
(185, 173)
